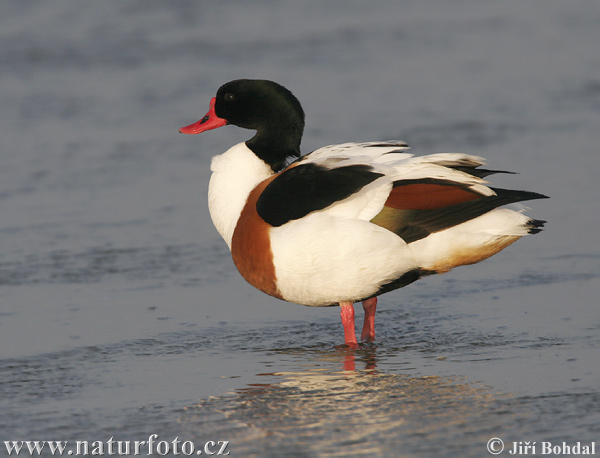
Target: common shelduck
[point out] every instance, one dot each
(346, 222)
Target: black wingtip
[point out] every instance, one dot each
(481, 173)
(537, 195)
(517, 196)
(535, 225)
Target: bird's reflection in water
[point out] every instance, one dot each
(366, 354)
(337, 401)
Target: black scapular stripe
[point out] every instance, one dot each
(310, 187)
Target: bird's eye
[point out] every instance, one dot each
(229, 97)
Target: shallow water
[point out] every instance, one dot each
(121, 314)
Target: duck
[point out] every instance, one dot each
(349, 222)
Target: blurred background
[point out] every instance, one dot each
(121, 312)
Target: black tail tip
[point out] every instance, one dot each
(535, 225)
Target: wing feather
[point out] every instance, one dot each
(412, 196)
(433, 207)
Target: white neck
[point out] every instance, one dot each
(236, 173)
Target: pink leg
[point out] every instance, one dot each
(368, 332)
(347, 315)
